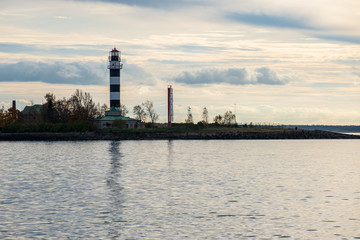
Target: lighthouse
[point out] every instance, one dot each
(115, 66)
(115, 113)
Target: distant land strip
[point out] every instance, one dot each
(175, 135)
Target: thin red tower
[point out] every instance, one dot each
(170, 106)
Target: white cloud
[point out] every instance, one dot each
(233, 76)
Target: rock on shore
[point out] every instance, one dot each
(163, 135)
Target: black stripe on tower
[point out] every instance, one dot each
(114, 103)
(114, 88)
(114, 72)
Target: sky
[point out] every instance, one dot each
(270, 62)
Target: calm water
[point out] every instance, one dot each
(308, 189)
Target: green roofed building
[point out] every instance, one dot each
(32, 113)
(115, 115)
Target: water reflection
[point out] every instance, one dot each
(180, 189)
(170, 180)
(170, 209)
(170, 153)
(115, 191)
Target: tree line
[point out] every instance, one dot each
(77, 111)
(67, 114)
(228, 118)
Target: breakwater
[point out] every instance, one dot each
(184, 135)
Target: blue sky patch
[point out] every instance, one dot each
(269, 20)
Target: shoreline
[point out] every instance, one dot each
(173, 135)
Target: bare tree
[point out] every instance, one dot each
(123, 110)
(205, 116)
(218, 119)
(189, 118)
(149, 108)
(229, 118)
(103, 109)
(139, 113)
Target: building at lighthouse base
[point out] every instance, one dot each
(110, 116)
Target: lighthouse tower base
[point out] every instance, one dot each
(113, 112)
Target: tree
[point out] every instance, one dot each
(103, 109)
(49, 111)
(139, 113)
(123, 110)
(2, 117)
(82, 106)
(229, 118)
(9, 117)
(189, 116)
(63, 110)
(205, 116)
(149, 108)
(218, 119)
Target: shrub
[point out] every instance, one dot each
(119, 123)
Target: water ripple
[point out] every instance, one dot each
(180, 189)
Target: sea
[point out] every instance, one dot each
(180, 189)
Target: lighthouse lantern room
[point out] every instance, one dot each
(114, 66)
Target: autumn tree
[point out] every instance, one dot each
(9, 117)
(2, 117)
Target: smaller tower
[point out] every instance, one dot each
(170, 106)
(114, 66)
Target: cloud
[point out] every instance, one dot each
(68, 50)
(89, 73)
(63, 17)
(339, 38)
(233, 76)
(75, 73)
(163, 4)
(134, 74)
(269, 20)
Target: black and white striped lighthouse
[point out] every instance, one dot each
(115, 65)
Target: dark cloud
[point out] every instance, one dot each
(269, 20)
(232, 76)
(266, 76)
(339, 38)
(77, 73)
(58, 72)
(70, 50)
(133, 74)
